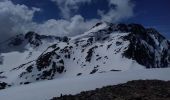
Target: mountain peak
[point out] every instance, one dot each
(101, 23)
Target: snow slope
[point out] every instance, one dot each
(45, 90)
(79, 57)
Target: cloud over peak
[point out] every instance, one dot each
(69, 7)
(17, 18)
(118, 10)
(76, 25)
(14, 18)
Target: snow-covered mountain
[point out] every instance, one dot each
(104, 48)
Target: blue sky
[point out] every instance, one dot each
(153, 13)
(150, 13)
(51, 11)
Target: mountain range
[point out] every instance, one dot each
(106, 47)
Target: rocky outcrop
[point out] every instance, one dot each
(133, 90)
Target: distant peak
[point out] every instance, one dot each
(30, 34)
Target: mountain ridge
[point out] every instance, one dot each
(105, 47)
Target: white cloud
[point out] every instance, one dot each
(69, 7)
(15, 18)
(119, 9)
(77, 25)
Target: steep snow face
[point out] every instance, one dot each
(105, 47)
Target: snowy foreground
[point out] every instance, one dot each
(45, 90)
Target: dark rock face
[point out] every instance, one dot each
(51, 67)
(90, 54)
(121, 28)
(139, 52)
(3, 85)
(148, 48)
(65, 39)
(133, 90)
(44, 60)
(33, 38)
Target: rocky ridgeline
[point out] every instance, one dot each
(132, 90)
